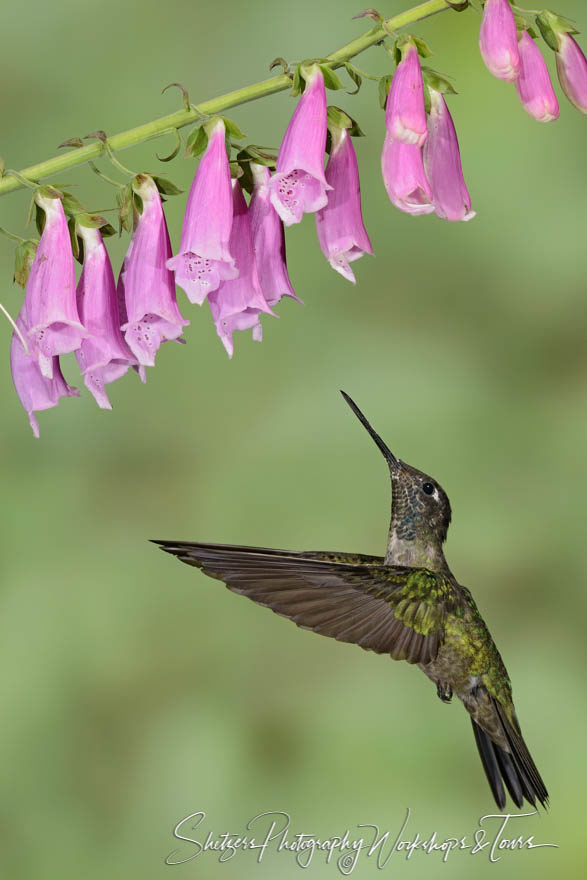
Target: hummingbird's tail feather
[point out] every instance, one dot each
(515, 767)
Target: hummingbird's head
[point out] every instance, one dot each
(420, 509)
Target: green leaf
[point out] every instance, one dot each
(552, 25)
(236, 170)
(93, 221)
(166, 187)
(124, 198)
(232, 129)
(331, 79)
(196, 143)
(369, 13)
(384, 84)
(355, 76)
(260, 155)
(75, 243)
(176, 149)
(72, 142)
(2, 166)
(437, 81)
(424, 50)
(23, 260)
(279, 62)
(39, 219)
(184, 92)
(337, 118)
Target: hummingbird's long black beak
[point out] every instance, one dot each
(387, 454)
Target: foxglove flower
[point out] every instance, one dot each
(405, 113)
(238, 303)
(204, 258)
(533, 84)
(35, 390)
(402, 166)
(152, 315)
(571, 66)
(104, 356)
(341, 232)
(442, 160)
(50, 310)
(498, 40)
(268, 240)
(299, 185)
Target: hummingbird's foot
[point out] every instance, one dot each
(444, 692)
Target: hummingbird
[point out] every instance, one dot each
(407, 605)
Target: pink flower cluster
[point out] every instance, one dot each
(109, 326)
(421, 161)
(231, 254)
(510, 53)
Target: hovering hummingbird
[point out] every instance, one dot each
(408, 605)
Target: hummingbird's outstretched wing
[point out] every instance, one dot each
(390, 610)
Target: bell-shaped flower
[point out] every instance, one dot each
(339, 224)
(204, 258)
(533, 84)
(104, 356)
(571, 66)
(405, 112)
(404, 177)
(442, 160)
(299, 185)
(268, 239)
(50, 310)
(498, 40)
(238, 303)
(152, 315)
(35, 390)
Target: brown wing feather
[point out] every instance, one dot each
(348, 597)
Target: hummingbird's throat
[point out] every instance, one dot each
(414, 552)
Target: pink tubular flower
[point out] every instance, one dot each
(268, 240)
(237, 303)
(405, 113)
(533, 84)
(404, 177)
(152, 315)
(50, 310)
(204, 258)
(104, 356)
(341, 232)
(299, 185)
(35, 390)
(498, 40)
(442, 161)
(571, 66)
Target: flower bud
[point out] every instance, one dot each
(405, 113)
(442, 160)
(498, 40)
(533, 84)
(571, 66)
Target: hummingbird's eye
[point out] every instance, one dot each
(428, 488)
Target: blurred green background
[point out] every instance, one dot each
(135, 690)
